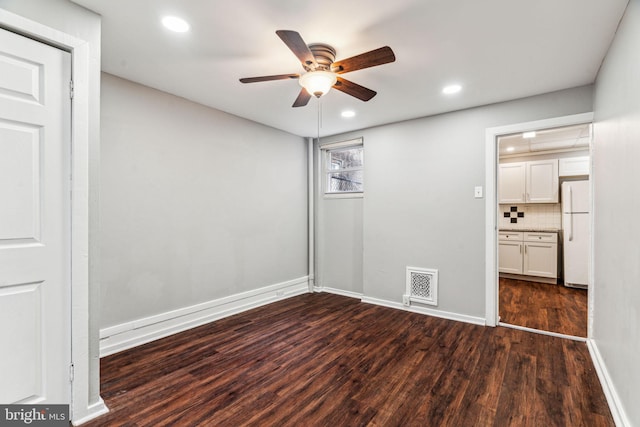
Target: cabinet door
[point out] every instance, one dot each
(510, 257)
(511, 182)
(541, 259)
(574, 166)
(542, 181)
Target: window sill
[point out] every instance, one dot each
(343, 195)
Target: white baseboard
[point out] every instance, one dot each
(93, 411)
(141, 331)
(424, 310)
(400, 306)
(615, 404)
(336, 291)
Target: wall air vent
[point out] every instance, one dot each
(422, 286)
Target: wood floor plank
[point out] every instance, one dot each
(543, 306)
(328, 360)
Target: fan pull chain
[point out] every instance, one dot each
(319, 118)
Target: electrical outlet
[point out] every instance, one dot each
(406, 300)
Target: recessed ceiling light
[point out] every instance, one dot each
(348, 113)
(529, 135)
(175, 24)
(451, 89)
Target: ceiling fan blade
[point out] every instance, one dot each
(302, 99)
(354, 89)
(268, 78)
(294, 41)
(379, 56)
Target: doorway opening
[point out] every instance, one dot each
(529, 243)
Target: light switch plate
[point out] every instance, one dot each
(478, 192)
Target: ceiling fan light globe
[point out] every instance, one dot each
(317, 83)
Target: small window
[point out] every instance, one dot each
(344, 168)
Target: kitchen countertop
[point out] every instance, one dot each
(533, 230)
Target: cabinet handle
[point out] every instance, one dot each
(525, 249)
(520, 248)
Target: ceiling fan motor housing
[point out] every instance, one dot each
(325, 56)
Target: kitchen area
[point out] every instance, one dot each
(544, 229)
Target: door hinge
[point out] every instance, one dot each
(71, 89)
(71, 373)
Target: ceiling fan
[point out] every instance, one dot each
(322, 71)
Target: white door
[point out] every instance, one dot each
(35, 124)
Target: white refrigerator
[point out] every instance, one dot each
(576, 231)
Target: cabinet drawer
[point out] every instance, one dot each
(510, 235)
(541, 237)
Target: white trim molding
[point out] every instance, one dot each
(93, 411)
(337, 291)
(131, 334)
(424, 310)
(491, 200)
(615, 403)
(541, 332)
(414, 308)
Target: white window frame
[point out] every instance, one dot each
(325, 151)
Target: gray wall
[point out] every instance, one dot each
(339, 253)
(419, 209)
(616, 327)
(196, 204)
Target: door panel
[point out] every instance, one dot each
(19, 181)
(35, 309)
(21, 77)
(20, 306)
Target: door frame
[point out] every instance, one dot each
(81, 136)
(491, 207)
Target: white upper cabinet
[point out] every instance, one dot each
(542, 181)
(574, 166)
(529, 182)
(512, 182)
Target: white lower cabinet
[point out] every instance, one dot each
(528, 253)
(510, 252)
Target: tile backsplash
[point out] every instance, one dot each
(542, 216)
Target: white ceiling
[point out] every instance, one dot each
(496, 49)
(546, 140)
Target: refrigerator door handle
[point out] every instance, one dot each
(570, 212)
(570, 216)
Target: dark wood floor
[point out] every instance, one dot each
(543, 306)
(327, 360)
